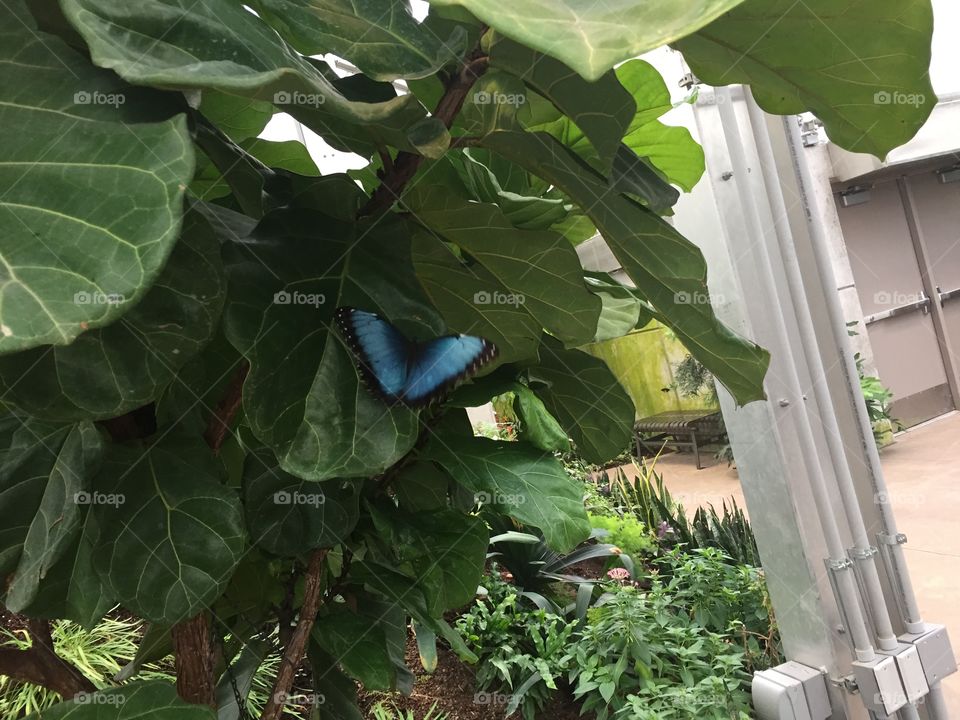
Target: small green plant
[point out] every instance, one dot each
(647, 498)
(522, 652)
(692, 379)
(626, 532)
(535, 567)
(877, 397)
(728, 531)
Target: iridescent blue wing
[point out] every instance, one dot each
(440, 364)
(384, 354)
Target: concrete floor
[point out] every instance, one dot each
(922, 469)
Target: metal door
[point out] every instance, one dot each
(896, 307)
(933, 207)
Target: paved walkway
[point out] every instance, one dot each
(922, 469)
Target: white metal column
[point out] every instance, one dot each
(807, 464)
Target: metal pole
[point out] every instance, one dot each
(848, 596)
(899, 575)
(864, 552)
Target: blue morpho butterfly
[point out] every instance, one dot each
(406, 371)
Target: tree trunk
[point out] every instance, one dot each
(193, 654)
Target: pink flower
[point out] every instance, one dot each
(619, 574)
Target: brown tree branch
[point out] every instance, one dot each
(406, 164)
(296, 648)
(40, 665)
(226, 410)
(193, 649)
(193, 660)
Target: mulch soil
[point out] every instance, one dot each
(453, 691)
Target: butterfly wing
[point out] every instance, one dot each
(384, 353)
(440, 364)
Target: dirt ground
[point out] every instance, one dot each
(452, 689)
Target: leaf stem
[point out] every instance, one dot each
(405, 166)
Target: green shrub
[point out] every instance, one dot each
(647, 498)
(627, 533)
(638, 653)
(522, 652)
(725, 598)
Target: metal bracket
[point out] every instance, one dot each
(898, 539)
(834, 567)
(847, 683)
(837, 565)
(865, 554)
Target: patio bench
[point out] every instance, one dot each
(684, 428)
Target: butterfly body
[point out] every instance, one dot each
(405, 371)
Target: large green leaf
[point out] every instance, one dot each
(171, 533)
(303, 397)
(444, 550)
(115, 369)
(93, 187)
(529, 485)
(407, 593)
(44, 479)
(288, 516)
(671, 149)
(538, 426)
(540, 269)
(602, 109)
(421, 486)
(380, 37)
(239, 117)
(668, 269)
(582, 393)
(460, 291)
(153, 700)
(72, 588)
(359, 644)
(339, 691)
(592, 37)
(518, 201)
(861, 66)
(220, 45)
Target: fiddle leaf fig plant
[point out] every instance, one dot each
(226, 366)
